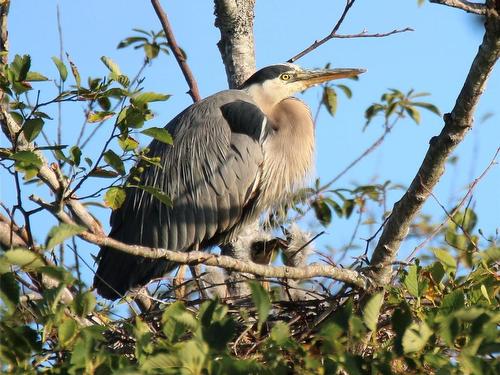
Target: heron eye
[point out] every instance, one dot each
(285, 77)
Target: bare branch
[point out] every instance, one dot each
(229, 263)
(468, 6)
(234, 19)
(179, 56)
(364, 34)
(457, 124)
(317, 43)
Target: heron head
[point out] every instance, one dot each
(272, 84)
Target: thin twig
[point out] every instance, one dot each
(333, 34)
(472, 186)
(179, 56)
(364, 34)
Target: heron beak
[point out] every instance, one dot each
(314, 77)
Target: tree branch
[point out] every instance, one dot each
(179, 56)
(317, 43)
(228, 263)
(333, 34)
(468, 6)
(457, 124)
(234, 19)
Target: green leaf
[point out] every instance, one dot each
(415, 337)
(347, 91)
(485, 294)
(32, 128)
(128, 143)
(157, 193)
(102, 173)
(61, 68)
(115, 197)
(142, 99)
(151, 50)
(99, 116)
(60, 233)
(111, 65)
(160, 134)
(372, 311)
(76, 155)
(84, 303)
(114, 161)
(131, 40)
(322, 211)
(452, 302)
(330, 100)
(74, 71)
(414, 114)
(411, 281)
(35, 77)
(447, 260)
(27, 157)
(24, 258)
(21, 66)
(261, 301)
(9, 291)
(428, 106)
(280, 333)
(67, 331)
(104, 103)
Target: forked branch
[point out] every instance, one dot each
(333, 34)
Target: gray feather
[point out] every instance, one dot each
(210, 174)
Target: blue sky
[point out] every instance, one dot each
(434, 58)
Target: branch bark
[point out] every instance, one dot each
(467, 6)
(457, 124)
(351, 277)
(234, 19)
(179, 56)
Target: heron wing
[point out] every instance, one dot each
(211, 173)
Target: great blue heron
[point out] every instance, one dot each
(235, 154)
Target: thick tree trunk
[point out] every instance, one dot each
(234, 19)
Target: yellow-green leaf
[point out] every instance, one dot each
(261, 301)
(32, 128)
(160, 134)
(99, 116)
(114, 197)
(60, 233)
(330, 100)
(141, 99)
(67, 331)
(61, 68)
(372, 311)
(415, 337)
(111, 65)
(114, 161)
(24, 258)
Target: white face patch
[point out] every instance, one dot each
(273, 91)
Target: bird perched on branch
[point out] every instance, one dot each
(235, 155)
